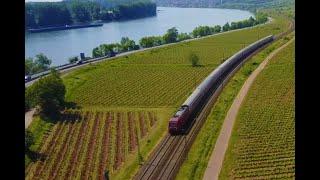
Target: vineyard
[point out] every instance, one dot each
(158, 77)
(263, 141)
(199, 154)
(86, 144)
(125, 105)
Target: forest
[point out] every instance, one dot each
(46, 14)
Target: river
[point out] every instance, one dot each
(60, 45)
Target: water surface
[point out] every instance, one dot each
(60, 45)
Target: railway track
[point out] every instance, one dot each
(165, 161)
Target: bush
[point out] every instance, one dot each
(171, 35)
(73, 59)
(183, 36)
(194, 59)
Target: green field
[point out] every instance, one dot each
(158, 79)
(263, 140)
(200, 152)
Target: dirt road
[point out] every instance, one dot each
(28, 118)
(217, 157)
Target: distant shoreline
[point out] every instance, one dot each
(65, 27)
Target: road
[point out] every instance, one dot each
(28, 116)
(217, 157)
(96, 60)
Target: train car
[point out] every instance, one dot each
(191, 106)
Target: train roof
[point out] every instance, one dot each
(181, 110)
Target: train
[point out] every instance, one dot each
(180, 121)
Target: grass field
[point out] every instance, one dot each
(155, 80)
(200, 152)
(262, 145)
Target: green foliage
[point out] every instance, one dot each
(261, 17)
(226, 27)
(136, 10)
(43, 14)
(73, 59)
(128, 44)
(151, 41)
(202, 31)
(194, 59)
(47, 93)
(183, 36)
(80, 12)
(171, 35)
(28, 66)
(28, 140)
(40, 63)
(47, 14)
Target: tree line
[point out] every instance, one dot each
(172, 35)
(45, 14)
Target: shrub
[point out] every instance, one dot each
(73, 59)
(194, 59)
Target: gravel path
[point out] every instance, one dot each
(217, 157)
(28, 118)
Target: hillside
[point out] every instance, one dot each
(112, 3)
(235, 4)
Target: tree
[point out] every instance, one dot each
(79, 12)
(261, 17)
(171, 35)
(251, 21)
(28, 66)
(194, 59)
(226, 27)
(47, 93)
(127, 44)
(183, 36)
(73, 59)
(217, 29)
(42, 62)
(151, 41)
(96, 52)
(234, 25)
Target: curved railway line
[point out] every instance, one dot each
(165, 160)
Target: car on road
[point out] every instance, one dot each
(27, 78)
(79, 62)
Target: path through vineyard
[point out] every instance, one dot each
(217, 157)
(28, 116)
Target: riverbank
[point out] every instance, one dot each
(65, 27)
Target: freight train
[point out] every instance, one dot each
(183, 117)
